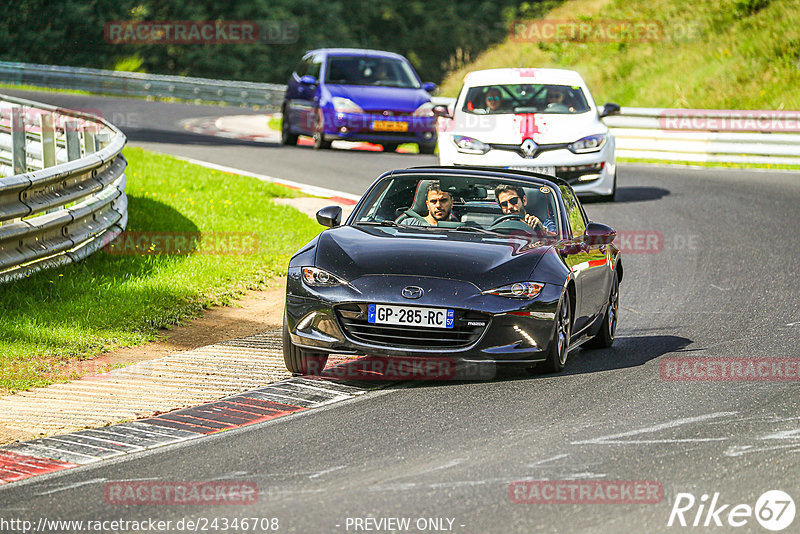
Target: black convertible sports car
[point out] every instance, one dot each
(430, 265)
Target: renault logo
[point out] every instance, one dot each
(528, 148)
(412, 292)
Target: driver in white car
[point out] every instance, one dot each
(512, 200)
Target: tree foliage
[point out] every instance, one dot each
(436, 36)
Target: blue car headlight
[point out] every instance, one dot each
(345, 105)
(518, 290)
(590, 143)
(468, 145)
(316, 277)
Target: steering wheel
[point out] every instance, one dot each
(507, 217)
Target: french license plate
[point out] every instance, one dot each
(390, 126)
(410, 316)
(549, 170)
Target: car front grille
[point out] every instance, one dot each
(467, 330)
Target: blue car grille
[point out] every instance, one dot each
(467, 330)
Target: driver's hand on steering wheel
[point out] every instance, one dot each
(533, 222)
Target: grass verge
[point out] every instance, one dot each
(55, 318)
(715, 164)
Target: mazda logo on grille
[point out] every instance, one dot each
(528, 147)
(412, 292)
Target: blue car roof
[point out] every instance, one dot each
(355, 52)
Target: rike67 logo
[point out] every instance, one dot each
(774, 510)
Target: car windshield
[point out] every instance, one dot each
(462, 203)
(525, 98)
(365, 70)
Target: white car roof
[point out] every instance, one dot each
(523, 75)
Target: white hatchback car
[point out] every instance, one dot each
(541, 120)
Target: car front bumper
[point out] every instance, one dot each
(394, 129)
(516, 331)
(592, 173)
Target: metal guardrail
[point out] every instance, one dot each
(251, 94)
(641, 133)
(62, 186)
(736, 136)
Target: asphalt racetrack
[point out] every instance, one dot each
(710, 262)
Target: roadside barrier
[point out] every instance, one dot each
(62, 186)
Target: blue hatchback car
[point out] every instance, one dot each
(358, 95)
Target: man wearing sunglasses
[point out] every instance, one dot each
(512, 200)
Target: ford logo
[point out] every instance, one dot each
(412, 292)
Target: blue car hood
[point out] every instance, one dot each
(484, 260)
(372, 98)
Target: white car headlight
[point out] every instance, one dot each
(425, 110)
(590, 143)
(468, 145)
(519, 290)
(315, 277)
(345, 105)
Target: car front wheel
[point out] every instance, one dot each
(299, 361)
(425, 148)
(287, 137)
(319, 132)
(559, 345)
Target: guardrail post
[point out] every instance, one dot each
(47, 124)
(89, 139)
(73, 140)
(18, 152)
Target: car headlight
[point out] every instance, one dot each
(519, 290)
(590, 143)
(468, 145)
(425, 110)
(345, 105)
(315, 277)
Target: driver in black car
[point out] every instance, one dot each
(440, 207)
(512, 200)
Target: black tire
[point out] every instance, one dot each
(427, 148)
(319, 133)
(559, 345)
(298, 361)
(605, 337)
(389, 147)
(287, 137)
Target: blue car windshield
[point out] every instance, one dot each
(365, 70)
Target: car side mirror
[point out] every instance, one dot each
(609, 108)
(330, 216)
(440, 110)
(308, 79)
(430, 87)
(599, 234)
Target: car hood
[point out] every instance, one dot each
(484, 260)
(543, 128)
(381, 98)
